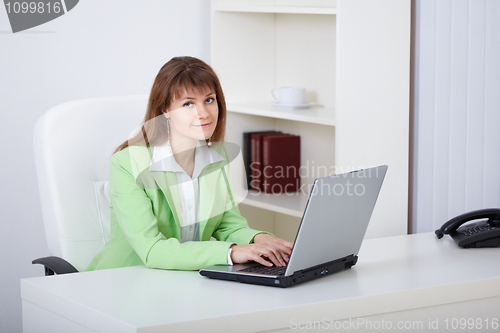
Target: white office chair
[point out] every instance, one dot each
(73, 145)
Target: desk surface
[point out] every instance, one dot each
(392, 274)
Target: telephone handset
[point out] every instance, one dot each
(477, 234)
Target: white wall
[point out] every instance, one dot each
(100, 48)
(456, 165)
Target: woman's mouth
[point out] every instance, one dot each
(204, 125)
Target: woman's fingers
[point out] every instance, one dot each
(274, 243)
(288, 245)
(281, 257)
(256, 252)
(285, 248)
(281, 252)
(275, 249)
(275, 256)
(262, 261)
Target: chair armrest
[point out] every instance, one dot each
(55, 265)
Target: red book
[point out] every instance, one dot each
(256, 158)
(281, 163)
(247, 153)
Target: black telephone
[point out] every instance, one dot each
(477, 234)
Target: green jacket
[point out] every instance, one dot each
(145, 227)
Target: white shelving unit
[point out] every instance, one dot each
(276, 9)
(353, 59)
(315, 115)
(290, 204)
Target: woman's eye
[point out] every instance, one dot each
(210, 100)
(188, 104)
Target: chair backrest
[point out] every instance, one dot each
(73, 145)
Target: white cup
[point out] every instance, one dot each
(290, 95)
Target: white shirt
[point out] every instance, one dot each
(163, 160)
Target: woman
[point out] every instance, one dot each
(168, 184)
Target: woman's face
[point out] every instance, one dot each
(193, 116)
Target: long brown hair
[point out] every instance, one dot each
(176, 76)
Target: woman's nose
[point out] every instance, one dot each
(202, 111)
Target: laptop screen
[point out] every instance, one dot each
(336, 217)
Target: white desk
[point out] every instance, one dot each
(402, 282)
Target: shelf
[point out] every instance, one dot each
(277, 10)
(258, 45)
(290, 204)
(314, 115)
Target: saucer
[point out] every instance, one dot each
(293, 106)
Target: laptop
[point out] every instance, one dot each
(330, 233)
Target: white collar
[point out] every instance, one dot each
(163, 158)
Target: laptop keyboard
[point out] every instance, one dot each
(274, 270)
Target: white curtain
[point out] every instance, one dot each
(456, 138)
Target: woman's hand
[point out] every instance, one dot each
(264, 245)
